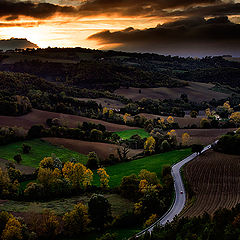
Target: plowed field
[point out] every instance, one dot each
(40, 117)
(215, 178)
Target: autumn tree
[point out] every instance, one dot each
(185, 138)
(77, 220)
(47, 162)
(235, 117)
(12, 230)
(79, 176)
(125, 117)
(104, 178)
(170, 120)
(99, 210)
(149, 146)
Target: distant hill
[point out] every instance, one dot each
(19, 43)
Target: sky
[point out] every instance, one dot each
(176, 27)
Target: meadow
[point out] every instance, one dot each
(152, 163)
(40, 149)
(129, 133)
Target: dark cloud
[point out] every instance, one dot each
(111, 7)
(30, 9)
(184, 37)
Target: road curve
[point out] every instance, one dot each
(180, 199)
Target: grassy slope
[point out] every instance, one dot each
(152, 163)
(40, 149)
(129, 133)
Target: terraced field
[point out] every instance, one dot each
(215, 178)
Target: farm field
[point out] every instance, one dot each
(129, 133)
(63, 205)
(40, 117)
(214, 177)
(152, 163)
(196, 91)
(102, 149)
(40, 149)
(202, 136)
(185, 121)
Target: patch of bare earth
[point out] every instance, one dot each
(40, 117)
(215, 178)
(102, 149)
(22, 168)
(196, 92)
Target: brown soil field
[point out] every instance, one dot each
(22, 168)
(202, 136)
(40, 117)
(105, 102)
(215, 178)
(196, 92)
(102, 149)
(186, 121)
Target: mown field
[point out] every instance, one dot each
(214, 177)
(129, 133)
(40, 117)
(152, 163)
(63, 205)
(40, 149)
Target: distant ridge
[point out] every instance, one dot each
(19, 43)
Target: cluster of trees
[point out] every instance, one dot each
(15, 105)
(149, 195)
(223, 225)
(11, 134)
(229, 143)
(81, 219)
(56, 179)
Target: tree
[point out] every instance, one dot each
(47, 162)
(99, 210)
(77, 220)
(96, 135)
(185, 138)
(12, 230)
(149, 146)
(235, 117)
(151, 177)
(104, 177)
(50, 225)
(170, 120)
(79, 176)
(204, 123)
(108, 236)
(129, 187)
(197, 148)
(93, 161)
(165, 146)
(152, 219)
(18, 158)
(125, 117)
(193, 114)
(35, 131)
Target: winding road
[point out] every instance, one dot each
(180, 198)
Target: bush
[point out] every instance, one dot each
(26, 148)
(108, 236)
(18, 158)
(165, 146)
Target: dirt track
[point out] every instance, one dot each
(102, 149)
(215, 178)
(40, 117)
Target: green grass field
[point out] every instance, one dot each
(129, 133)
(153, 163)
(40, 149)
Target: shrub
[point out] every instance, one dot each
(165, 146)
(93, 161)
(18, 158)
(26, 148)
